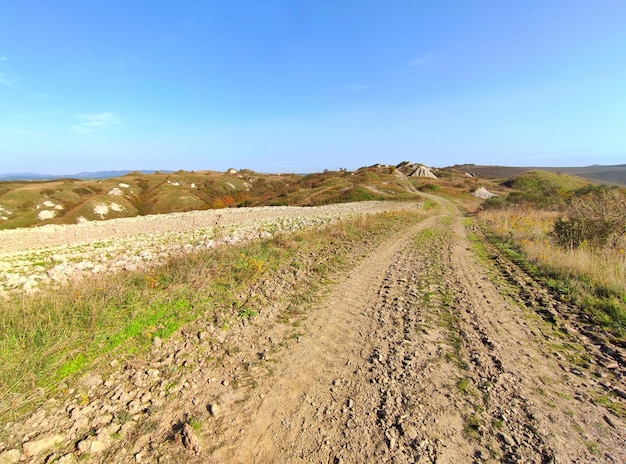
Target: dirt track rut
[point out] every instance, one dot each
(420, 356)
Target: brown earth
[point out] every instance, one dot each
(426, 351)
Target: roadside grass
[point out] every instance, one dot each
(593, 279)
(50, 338)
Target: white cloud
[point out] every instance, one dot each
(348, 88)
(424, 59)
(4, 79)
(357, 86)
(93, 121)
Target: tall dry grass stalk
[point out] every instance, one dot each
(603, 268)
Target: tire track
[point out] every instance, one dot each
(298, 416)
(431, 364)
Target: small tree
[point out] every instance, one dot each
(597, 217)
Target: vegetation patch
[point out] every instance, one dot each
(580, 258)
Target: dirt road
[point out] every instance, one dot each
(424, 352)
(419, 356)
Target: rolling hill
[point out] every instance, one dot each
(598, 174)
(137, 193)
(66, 201)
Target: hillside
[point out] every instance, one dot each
(598, 174)
(71, 201)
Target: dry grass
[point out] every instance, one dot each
(530, 229)
(595, 277)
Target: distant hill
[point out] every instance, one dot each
(599, 174)
(93, 196)
(81, 175)
(106, 194)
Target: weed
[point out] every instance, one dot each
(195, 423)
(462, 385)
(472, 425)
(122, 416)
(592, 447)
(246, 313)
(146, 426)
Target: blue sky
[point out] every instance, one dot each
(301, 86)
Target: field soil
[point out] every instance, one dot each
(51, 235)
(432, 348)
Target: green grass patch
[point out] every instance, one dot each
(612, 404)
(462, 386)
(75, 364)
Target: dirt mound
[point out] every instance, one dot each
(415, 170)
(483, 193)
(423, 171)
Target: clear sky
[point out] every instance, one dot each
(301, 86)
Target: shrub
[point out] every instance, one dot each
(82, 191)
(494, 203)
(596, 217)
(428, 188)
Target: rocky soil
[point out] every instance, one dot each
(424, 352)
(54, 254)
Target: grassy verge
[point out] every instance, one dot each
(47, 340)
(591, 279)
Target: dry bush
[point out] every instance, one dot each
(592, 277)
(596, 218)
(531, 231)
